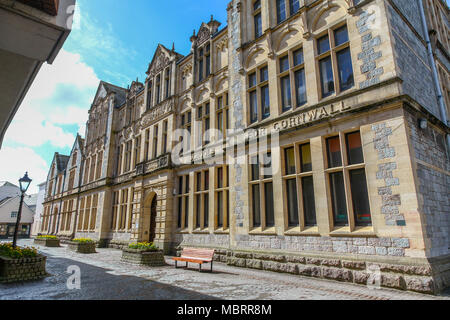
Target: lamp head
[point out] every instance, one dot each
(24, 183)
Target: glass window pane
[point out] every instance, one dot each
(285, 93)
(305, 158)
(354, 148)
(206, 181)
(253, 107)
(267, 165)
(326, 77)
(252, 80)
(258, 25)
(220, 122)
(345, 67)
(289, 156)
(292, 202)
(219, 177)
(255, 168)
(264, 72)
(206, 210)
(198, 211)
(219, 103)
(300, 87)
(323, 44)
(180, 185)
(268, 195)
(186, 205)
(360, 197)
(199, 181)
(281, 10)
(220, 209)
(298, 57)
(180, 211)
(340, 36)
(187, 185)
(294, 6)
(284, 64)
(309, 204)
(338, 201)
(265, 102)
(256, 5)
(256, 206)
(334, 152)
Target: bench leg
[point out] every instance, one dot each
(211, 266)
(200, 267)
(187, 265)
(176, 264)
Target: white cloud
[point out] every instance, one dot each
(14, 162)
(61, 94)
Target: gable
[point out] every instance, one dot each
(160, 60)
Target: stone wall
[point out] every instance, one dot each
(398, 276)
(82, 247)
(360, 246)
(16, 270)
(412, 62)
(433, 176)
(153, 259)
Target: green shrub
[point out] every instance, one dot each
(47, 237)
(7, 250)
(83, 240)
(144, 246)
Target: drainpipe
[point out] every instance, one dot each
(435, 74)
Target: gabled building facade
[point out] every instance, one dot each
(349, 106)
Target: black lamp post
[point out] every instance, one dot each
(24, 184)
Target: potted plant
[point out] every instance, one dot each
(47, 241)
(20, 264)
(82, 245)
(143, 253)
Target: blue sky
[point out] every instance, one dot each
(111, 40)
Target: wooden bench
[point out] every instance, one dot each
(198, 256)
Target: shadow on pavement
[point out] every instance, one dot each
(96, 284)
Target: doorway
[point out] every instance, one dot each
(153, 213)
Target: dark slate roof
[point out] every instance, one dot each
(61, 162)
(121, 93)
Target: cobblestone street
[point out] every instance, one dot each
(103, 276)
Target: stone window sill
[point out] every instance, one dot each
(309, 231)
(266, 232)
(358, 232)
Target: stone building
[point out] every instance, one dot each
(348, 101)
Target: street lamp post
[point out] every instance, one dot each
(24, 184)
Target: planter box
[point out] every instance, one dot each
(52, 243)
(82, 247)
(25, 269)
(146, 258)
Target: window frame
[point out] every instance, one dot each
(290, 72)
(257, 89)
(261, 183)
(345, 168)
(332, 54)
(298, 175)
